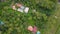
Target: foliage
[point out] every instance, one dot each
(17, 22)
(44, 6)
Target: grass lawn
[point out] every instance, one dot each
(53, 27)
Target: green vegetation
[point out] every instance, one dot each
(44, 18)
